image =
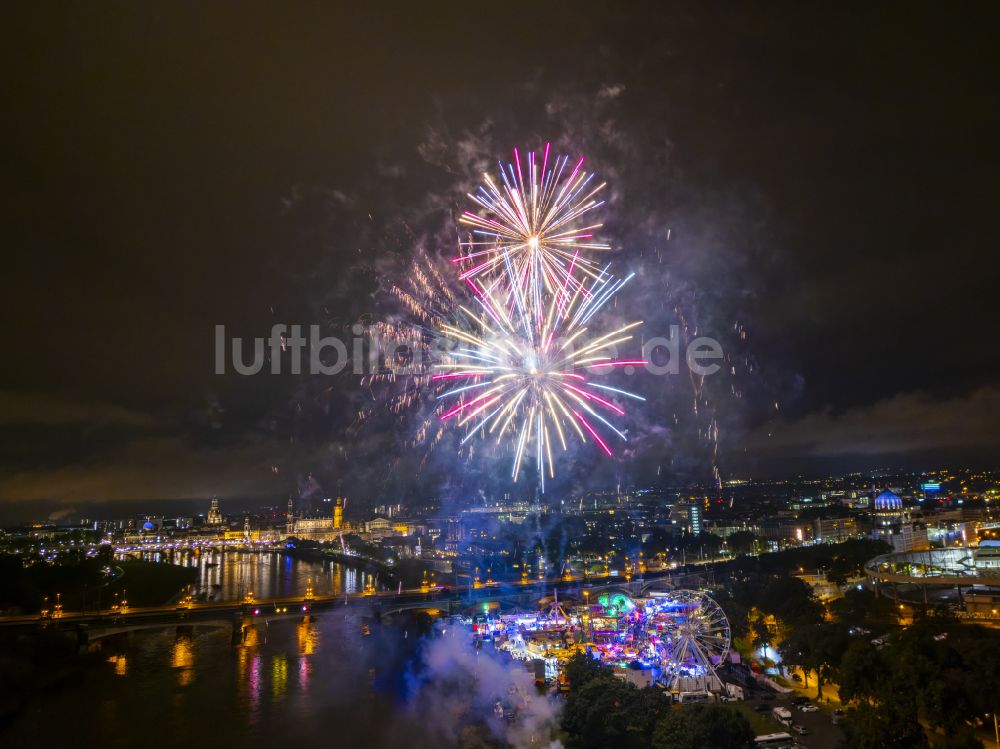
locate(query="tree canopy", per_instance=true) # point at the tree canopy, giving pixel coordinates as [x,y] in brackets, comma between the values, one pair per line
[698,726]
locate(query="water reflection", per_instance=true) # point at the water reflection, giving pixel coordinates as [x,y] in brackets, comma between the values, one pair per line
[229,576]
[182,659]
[279,676]
[308,636]
[294,680]
[120,663]
[254,681]
[305,671]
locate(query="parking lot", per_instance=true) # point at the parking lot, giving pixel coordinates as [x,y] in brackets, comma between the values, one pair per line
[822,733]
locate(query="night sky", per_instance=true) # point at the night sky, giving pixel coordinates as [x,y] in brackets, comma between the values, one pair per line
[828,179]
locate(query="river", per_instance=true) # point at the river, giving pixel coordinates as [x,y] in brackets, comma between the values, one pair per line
[231,575]
[337,678]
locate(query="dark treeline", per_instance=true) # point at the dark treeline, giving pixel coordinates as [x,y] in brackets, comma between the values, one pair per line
[603,711]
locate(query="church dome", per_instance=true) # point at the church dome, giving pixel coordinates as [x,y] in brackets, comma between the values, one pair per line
[888,501]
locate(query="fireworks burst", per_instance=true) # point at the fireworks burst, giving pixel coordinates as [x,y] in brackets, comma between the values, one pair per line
[515,361]
[529,244]
[505,382]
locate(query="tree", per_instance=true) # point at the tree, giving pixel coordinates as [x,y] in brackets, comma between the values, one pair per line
[602,710]
[791,600]
[644,712]
[798,649]
[859,607]
[659,541]
[787,598]
[700,726]
[980,650]
[816,647]
[581,668]
[862,671]
[701,545]
[884,727]
[938,665]
[736,612]
[959,741]
[741,542]
[607,711]
[829,644]
[761,633]
[935,672]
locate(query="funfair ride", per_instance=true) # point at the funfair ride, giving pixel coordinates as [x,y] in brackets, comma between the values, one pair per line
[691,635]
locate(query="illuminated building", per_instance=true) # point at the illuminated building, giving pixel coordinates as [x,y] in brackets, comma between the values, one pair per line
[695,518]
[245,534]
[834,529]
[323,528]
[378,527]
[691,512]
[214,514]
[910,537]
[888,507]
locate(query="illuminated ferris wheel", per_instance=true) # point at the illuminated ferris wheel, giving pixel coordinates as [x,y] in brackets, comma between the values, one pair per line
[695,637]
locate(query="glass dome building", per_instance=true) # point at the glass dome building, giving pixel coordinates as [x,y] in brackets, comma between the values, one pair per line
[888,501]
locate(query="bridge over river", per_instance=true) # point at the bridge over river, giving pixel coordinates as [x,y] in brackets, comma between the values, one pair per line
[240,615]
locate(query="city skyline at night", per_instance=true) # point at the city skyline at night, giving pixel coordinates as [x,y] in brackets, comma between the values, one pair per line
[506,376]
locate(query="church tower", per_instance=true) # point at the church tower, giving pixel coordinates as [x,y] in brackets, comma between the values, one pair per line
[214,513]
[338,514]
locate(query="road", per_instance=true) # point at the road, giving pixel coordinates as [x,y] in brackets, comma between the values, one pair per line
[822,733]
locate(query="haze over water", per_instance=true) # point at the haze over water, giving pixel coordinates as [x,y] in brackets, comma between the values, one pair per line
[290,680]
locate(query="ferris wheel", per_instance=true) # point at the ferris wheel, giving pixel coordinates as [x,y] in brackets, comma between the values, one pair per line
[695,635]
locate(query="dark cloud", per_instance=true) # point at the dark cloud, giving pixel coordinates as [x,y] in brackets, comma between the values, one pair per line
[826,177]
[908,422]
[155,467]
[53,410]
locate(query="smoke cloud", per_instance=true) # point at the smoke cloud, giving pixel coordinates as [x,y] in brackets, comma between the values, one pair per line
[470,698]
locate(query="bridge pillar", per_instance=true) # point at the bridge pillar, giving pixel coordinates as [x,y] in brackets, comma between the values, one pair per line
[82,638]
[240,627]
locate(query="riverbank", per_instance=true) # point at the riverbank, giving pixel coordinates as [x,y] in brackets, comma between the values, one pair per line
[90,585]
[385,573]
[44,661]
[149,583]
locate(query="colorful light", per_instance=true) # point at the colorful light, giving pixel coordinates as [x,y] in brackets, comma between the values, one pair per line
[522,347]
[530,232]
[511,380]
